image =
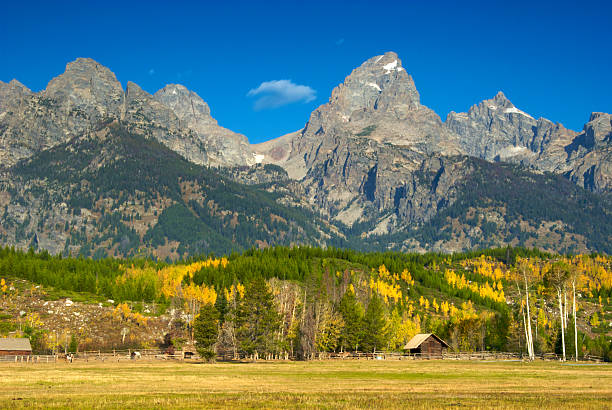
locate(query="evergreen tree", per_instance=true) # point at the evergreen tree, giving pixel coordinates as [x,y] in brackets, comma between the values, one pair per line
[352,314]
[222,306]
[374,326]
[206,330]
[257,319]
[74,344]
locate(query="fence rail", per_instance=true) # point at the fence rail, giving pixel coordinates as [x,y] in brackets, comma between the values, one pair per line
[156,354]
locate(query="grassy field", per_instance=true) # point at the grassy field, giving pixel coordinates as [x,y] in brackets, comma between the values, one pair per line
[325,384]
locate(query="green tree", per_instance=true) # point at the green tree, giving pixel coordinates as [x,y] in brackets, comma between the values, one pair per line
[257,319]
[352,314]
[74,344]
[206,330]
[374,326]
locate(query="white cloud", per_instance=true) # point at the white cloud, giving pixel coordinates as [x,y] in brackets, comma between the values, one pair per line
[276,93]
[151,71]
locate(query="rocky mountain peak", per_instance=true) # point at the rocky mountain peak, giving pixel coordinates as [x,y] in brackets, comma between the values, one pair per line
[143,110]
[10,92]
[87,91]
[134,91]
[495,129]
[224,147]
[500,105]
[187,105]
[590,154]
[378,103]
[87,80]
[599,128]
[500,100]
[379,84]
[15,85]
[592,117]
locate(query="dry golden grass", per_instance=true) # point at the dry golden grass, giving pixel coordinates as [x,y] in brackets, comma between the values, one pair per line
[320,384]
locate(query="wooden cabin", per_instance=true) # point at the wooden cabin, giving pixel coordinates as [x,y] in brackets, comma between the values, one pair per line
[426,344]
[15,347]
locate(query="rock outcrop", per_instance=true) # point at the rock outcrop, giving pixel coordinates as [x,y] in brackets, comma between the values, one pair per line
[72,104]
[377,101]
[376,157]
[359,155]
[591,154]
[224,147]
[495,130]
[88,93]
[11,92]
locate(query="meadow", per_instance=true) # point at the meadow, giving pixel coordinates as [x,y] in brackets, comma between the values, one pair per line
[319,384]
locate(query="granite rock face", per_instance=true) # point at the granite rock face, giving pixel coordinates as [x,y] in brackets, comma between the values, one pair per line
[375,156]
[88,93]
[73,103]
[590,154]
[11,92]
[377,101]
[495,130]
[359,157]
[224,147]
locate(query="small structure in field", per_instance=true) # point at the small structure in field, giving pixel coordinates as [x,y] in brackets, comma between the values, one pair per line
[189,352]
[15,347]
[426,344]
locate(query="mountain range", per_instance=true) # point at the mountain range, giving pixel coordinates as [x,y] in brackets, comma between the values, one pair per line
[91,168]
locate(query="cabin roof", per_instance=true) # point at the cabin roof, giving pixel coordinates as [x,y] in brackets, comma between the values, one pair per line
[417,340]
[15,344]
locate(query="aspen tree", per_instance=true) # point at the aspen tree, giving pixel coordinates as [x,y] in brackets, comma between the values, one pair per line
[557,276]
[574,273]
[524,268]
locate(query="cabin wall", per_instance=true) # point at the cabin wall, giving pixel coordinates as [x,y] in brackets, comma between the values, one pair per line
[431,347]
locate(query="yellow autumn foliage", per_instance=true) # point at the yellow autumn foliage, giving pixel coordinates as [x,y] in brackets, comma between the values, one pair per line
[485,290]
[123,312]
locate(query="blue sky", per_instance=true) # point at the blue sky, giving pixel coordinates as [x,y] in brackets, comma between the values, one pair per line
[551,59]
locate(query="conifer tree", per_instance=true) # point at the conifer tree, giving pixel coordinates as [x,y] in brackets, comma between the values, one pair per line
[374,326]
[257,320]
[206,330]
[352,314]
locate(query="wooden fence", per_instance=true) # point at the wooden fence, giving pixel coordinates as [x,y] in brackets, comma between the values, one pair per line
[156,354]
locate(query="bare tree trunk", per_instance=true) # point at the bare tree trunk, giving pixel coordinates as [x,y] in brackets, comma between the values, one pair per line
[525,330]
[562,322]
[565,316]
[530,338]
[518,288]
[575,326]
[536,326]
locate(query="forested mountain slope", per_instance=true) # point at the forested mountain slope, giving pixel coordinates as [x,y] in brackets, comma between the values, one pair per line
[116,192]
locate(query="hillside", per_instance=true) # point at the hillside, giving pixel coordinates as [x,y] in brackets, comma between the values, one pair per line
[319,300]
[496,204]
[118,193]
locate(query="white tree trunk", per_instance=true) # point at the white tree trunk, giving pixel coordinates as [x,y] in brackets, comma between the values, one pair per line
[565,316]
[575,325]
[526,334]
[529,334]
[518,288]
[562,322]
